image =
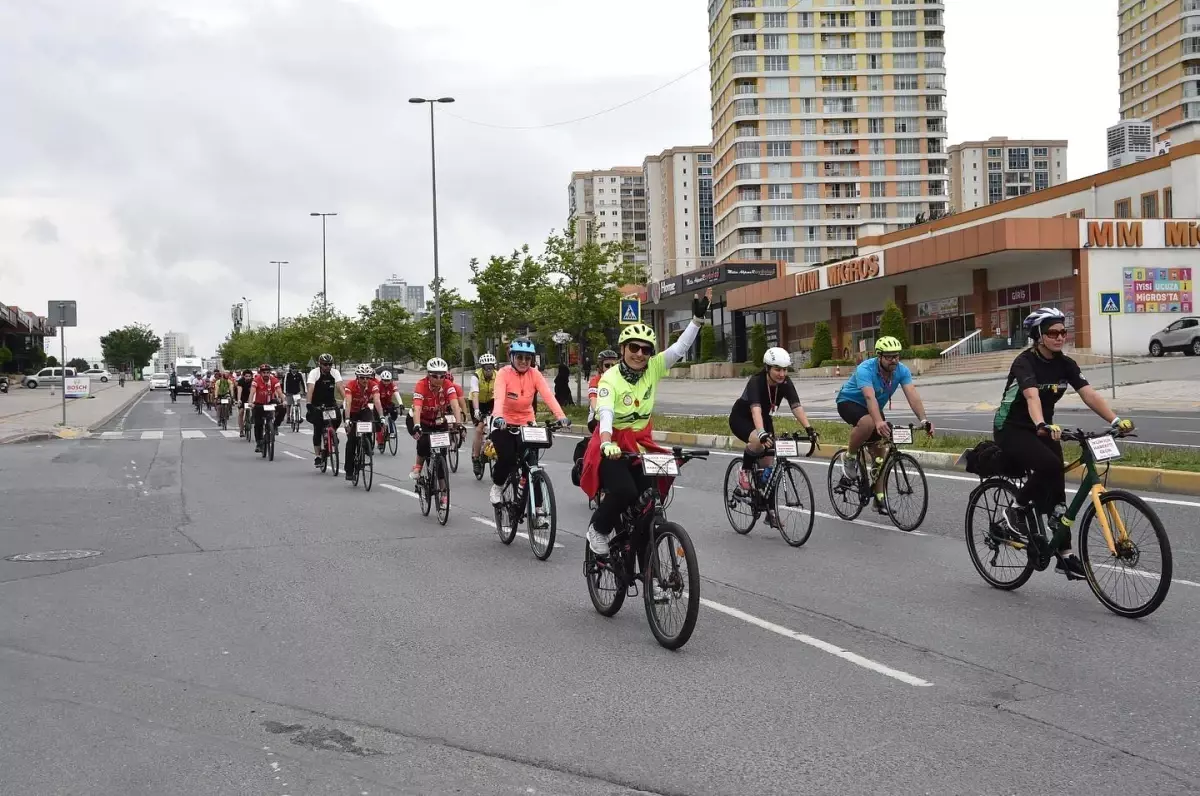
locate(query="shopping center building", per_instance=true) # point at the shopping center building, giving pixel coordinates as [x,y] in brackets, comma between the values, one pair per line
[1130,231]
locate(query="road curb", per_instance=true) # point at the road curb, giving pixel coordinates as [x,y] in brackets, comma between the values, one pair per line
[1182,482]
[73,432]
[137,395]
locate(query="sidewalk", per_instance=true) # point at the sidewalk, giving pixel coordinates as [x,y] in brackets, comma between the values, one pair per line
[28,415]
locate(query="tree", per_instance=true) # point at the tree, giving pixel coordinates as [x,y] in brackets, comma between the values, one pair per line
[708,344]
[758,343]
[387,331]
[80,364]
[822,345]
[52,361]
[892,324]
[427,337]
[6,355]
[507,289]
[131,345]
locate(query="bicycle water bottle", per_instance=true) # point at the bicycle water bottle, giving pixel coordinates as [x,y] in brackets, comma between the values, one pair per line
[765,475]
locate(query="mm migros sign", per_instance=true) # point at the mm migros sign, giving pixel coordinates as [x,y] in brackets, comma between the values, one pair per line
[1139,234]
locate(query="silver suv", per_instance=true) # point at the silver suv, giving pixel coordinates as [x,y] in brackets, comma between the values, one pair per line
[1182,335]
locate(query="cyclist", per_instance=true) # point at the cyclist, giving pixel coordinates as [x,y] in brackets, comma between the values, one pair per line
[361,403]
[1024,429]
[516,385]
[624,405]
[389,399]
[173,381]
[293,385]
[325,391]
[860,403]
[224,388]
[483,390]
[265,389]
[199,385]
[243,397]
[605,360]
[433,397]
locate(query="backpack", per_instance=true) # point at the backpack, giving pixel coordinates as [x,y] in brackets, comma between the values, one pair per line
[577,467]
[988,460]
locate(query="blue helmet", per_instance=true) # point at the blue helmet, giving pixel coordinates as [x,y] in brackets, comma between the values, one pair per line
[522,345]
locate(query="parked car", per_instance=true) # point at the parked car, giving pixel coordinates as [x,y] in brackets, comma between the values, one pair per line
[48,376]
[160,381]
[1182,335]
[97,373]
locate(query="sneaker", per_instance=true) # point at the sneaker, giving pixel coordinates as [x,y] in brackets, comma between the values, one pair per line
[597,541]
[444,501]
[743,480]
[496,494]
[850,467]
[542,520]
[881,508]
[1070,566]
[349,476]
[258,447]
[1013,524]
[317,462]
[658,594]
[414,473]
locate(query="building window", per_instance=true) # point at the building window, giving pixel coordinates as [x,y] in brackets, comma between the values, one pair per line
[1168,204]
[1041,180]
[906,82]
[1122,209]
[904,61]
[1018,159]
[1150,205]
[1078,214]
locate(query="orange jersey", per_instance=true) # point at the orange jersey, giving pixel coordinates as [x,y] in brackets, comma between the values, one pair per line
[514,393]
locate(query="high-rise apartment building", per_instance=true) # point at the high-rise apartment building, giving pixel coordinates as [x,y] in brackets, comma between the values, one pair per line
[827,114]
[610,205]
[397,289]
[984,172]
[679,208]
[1159,61]
[1129,141]
[414,300]
[174,345]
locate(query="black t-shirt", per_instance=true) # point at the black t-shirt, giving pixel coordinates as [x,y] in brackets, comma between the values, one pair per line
[769,397]
[243,387]
[1051,376]
[293,383]
[323,392]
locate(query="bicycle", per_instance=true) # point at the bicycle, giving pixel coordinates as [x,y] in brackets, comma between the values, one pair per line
[850,496]
[520,503]
[248,423]
[329,441]
[1116,550]
[487,453]
[268,439]
[295,418]
[391,440]
[643,528]
[199,401]
[457,435]
[435,473]
[785,476]
[223,414]
[364,459]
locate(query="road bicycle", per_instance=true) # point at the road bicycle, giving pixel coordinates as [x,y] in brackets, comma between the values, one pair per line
[457,435]
[248,423]
[364,456]
[268,438]
[200,400]
[669,572]
[329,441]
[905,495]
[223,414]
[528,495]
[487,454]
[295,417]
[434,479]
[391,437]
[1107,544]
[783,492]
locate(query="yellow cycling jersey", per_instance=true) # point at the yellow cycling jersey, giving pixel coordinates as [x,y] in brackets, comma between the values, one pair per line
[486,386]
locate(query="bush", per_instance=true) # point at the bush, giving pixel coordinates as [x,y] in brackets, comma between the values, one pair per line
[758,343]
[892,324]
[822,346]
[922,352]
[708,344]
[749,370]
[829,363]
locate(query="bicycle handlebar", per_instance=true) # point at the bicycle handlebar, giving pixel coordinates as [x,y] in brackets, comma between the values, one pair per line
[681,455]
[1083,435]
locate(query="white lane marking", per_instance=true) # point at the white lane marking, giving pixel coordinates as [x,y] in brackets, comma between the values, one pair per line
[398,489]
[491,524]
[227,434]
[112,435]
[210,417]
[824,646]
[1183,431]
[289,453]
[192,433]
[1170,502]
[868,523]
[124,417]
[152,435]
[1147,575]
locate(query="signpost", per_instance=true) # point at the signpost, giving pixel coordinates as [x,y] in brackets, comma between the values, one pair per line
[1110,305]
[464,321]
[631,310]
[62,314]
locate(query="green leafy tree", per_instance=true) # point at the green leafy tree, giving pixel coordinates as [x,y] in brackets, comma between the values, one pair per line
[386,331]
[6,355]
[822,345]
[892,323]
[79,363]
[708,344]
[451,300]
[130,346]
[758,343]
[506,289]
[52,361]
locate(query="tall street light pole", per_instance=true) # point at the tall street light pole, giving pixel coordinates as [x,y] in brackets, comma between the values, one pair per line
[324,283]
[247,313]
[437,280]
[279,264]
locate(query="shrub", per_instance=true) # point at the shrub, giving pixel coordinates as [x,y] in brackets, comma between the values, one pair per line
[749,370]
[758,343]
[708,344]
[922,352]
[892,324]
[822,346]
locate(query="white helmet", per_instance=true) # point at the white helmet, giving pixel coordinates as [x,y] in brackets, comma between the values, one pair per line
[1042,316]
[777,358]
[385,376]
[436,365]
[487,359]
[364,370]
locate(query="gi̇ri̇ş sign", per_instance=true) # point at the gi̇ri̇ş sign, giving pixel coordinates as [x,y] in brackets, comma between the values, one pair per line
[1157,290]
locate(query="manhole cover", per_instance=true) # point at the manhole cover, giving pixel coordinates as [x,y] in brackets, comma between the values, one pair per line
[54,555]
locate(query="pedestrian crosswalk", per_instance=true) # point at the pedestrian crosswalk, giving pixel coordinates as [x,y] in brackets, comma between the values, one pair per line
[185,433]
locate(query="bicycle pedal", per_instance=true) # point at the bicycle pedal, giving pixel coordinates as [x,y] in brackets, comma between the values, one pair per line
[632,590]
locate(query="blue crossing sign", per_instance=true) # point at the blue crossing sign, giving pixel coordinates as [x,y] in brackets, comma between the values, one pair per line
[631,310]
[1110,303]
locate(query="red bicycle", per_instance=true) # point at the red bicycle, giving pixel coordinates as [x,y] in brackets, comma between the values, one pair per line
[329,440]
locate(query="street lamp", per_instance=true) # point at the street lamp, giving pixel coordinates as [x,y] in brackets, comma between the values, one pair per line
[324,285]
[279,264]
[247,313]
[437,282]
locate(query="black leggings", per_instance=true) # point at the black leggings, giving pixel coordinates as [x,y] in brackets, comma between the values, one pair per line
[316,419]
[366,414]
[1046,485]
[280,413]
[622,484]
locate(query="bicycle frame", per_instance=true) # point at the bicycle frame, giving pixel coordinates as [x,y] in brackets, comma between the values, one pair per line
[1091,488]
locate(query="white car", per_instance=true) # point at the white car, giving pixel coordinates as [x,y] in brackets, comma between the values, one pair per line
[98,374]
[160,381]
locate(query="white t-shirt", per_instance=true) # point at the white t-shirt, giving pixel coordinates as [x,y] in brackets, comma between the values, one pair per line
[315,373]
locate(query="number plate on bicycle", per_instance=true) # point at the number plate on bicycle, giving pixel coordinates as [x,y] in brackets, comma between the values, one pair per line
[1104,448]
[534,435]
[204,392]
[659,464]
[450,420]
[440,439]
[268,407]
[224,400]
[364,427]
[330,414]
[901,436]
[785,447]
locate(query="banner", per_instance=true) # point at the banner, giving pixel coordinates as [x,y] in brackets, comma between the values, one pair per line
[77,386]
[1146,290]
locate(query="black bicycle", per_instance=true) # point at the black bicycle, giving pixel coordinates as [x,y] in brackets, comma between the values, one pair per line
[434,478]
[670,572]
[457,435]
[364,459]
[268,438]
[223,414]
[199,400]
[391,441]
[784,494]
[899,473]
[528,493]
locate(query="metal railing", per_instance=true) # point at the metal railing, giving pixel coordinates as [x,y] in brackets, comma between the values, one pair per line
[968,346]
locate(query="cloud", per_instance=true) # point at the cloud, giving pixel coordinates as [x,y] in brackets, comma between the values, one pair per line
[42,230]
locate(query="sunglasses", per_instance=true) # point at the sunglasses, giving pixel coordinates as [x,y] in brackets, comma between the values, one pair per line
[890,357]
[1056,334]
[639,348]
[605,366]
[437,375]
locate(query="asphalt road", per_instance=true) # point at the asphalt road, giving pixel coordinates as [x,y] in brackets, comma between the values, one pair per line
[254,627]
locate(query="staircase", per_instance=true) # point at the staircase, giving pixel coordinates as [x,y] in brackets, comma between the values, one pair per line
[974,354]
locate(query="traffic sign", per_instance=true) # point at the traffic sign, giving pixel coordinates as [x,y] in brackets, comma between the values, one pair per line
[631,310]
[1110,303]
[61,313]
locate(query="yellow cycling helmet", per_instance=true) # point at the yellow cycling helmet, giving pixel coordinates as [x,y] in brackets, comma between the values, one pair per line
[887,345]
[638,331]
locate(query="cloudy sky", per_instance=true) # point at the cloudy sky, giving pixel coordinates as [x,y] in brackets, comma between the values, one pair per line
[155,155]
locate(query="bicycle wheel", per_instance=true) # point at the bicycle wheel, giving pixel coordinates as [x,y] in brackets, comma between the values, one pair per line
[905,492]
[605,587]
[506,525]
[441,488]
[333,451]
[739,506]
[452,455]
[368,460]
[392,442]
[1136,555]
[846,498]
[248,427]
[794,504]
[324,460]
[999,560]
[541,540]
[424,490]
[672,564]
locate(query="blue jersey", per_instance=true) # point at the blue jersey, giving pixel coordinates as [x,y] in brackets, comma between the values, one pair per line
[867,375]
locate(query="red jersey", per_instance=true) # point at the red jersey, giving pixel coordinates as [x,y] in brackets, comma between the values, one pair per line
[434,405]
[264,389]
[387,389]
[594,384]
[360,395]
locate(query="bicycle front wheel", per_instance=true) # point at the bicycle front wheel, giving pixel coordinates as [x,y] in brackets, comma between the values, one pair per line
[1133,581]
[541,540]
[844,494]
[452,455]
[905,492]
[392,442]
[441,489]
[672,567]
[368,459]
[334,455]
[506,524]
[739,505]
[1001,560]
[794,504]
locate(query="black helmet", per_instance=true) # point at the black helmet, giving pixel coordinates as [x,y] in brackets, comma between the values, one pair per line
[607,353]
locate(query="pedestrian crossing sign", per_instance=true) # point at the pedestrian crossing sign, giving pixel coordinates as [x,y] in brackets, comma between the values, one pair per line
[1110,303]
[631,310]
